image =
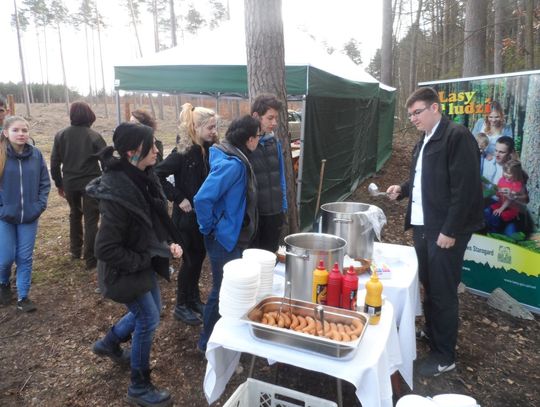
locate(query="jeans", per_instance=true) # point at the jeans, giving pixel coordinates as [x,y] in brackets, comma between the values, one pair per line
[141,321]
[17,247]
[219,256]
[81,205]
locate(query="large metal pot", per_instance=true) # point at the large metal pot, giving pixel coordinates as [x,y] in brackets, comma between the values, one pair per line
[350,221]
[302,254]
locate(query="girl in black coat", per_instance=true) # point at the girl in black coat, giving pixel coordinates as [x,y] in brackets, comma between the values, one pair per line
[189,166]
[132,248]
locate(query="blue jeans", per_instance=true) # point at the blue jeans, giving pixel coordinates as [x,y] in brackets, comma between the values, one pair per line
[141,321]
[218,256]
[17,247]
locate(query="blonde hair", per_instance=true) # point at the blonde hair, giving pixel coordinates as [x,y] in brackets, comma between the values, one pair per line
[4,139]
[192,118]
[482,138]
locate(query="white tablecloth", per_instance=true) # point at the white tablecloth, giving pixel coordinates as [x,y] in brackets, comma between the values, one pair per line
[402,290]
[378,356]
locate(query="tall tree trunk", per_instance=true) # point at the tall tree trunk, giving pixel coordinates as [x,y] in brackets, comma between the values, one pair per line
[66,91]
[21,59]
[88,65]
[386,48]
[531,146]
[415,29]
[445,38]
[134,22]
[43,91]
[498,6]
[46,66]
[474,45]
[529,34]
[155,19]
[173,23]
[264,44]
[98,24]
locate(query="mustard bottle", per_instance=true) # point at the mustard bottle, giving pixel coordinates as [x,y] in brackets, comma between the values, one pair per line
[373,303]
[320,284]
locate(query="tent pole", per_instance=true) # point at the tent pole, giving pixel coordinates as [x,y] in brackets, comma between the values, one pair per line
[118,113]
[301,158]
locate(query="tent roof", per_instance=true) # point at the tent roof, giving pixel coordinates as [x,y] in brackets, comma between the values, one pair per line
[215,61]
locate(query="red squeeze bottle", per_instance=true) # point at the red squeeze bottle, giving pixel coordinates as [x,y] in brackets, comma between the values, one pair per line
[350,288]
[335,280]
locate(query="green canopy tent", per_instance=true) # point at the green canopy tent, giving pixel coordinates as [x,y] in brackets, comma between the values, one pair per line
[347,117]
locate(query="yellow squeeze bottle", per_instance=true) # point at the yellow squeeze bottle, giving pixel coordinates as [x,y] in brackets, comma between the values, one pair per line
[320,284]
[373,303]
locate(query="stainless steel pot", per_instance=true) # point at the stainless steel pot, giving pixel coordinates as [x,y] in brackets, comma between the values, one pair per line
[349,220]
[302,254]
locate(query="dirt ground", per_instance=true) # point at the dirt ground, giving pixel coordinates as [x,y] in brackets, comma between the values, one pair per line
[45,357]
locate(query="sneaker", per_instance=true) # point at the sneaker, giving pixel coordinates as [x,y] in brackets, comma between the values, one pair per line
[186,315]
[197,307]
[25,305]
[432,366]
[5,294]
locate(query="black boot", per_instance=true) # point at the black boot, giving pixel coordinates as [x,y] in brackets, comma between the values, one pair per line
[109,346]
[141,391]
[186,315]
[197,307]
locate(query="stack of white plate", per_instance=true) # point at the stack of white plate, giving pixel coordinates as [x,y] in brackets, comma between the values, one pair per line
[239,287]
[267,261]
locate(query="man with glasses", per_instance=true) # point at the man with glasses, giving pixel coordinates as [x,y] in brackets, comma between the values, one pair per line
[444,208]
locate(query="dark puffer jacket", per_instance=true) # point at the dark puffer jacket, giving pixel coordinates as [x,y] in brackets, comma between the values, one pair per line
[126,241]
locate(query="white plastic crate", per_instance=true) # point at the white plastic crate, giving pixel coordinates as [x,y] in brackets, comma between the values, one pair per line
[254,393]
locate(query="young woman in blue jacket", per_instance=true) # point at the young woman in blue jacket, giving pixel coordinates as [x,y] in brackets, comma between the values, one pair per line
[226,208]
[24,188]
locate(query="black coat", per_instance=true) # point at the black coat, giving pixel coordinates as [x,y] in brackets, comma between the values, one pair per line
[451,189]
[126,241]
[189,168]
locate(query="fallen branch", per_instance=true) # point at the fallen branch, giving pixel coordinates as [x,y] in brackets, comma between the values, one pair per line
[25,383]
[10,336]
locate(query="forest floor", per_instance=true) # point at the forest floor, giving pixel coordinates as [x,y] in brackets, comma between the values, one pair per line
[46,358]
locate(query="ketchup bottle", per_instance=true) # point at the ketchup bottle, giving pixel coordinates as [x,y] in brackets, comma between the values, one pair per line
[335,281]
[350,288]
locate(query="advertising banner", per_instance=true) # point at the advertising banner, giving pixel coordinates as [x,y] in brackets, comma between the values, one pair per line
[492,107]
[491,263]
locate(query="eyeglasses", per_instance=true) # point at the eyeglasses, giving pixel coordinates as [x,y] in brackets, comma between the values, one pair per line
[416,112]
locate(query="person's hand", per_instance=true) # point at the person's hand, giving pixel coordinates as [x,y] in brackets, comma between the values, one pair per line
[61,193]
[498,211]
[445,242]
[393,192]
[185,205]
[176,250]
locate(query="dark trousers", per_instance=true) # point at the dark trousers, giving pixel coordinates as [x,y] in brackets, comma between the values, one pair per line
[439,271]
[81,205]
[268,232]
[188,278]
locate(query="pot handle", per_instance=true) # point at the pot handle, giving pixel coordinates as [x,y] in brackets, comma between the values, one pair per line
[302,256]
[342,220]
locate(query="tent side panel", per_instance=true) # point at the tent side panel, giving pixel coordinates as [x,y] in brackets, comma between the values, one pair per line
[387,105]
[344,132]
[324,84]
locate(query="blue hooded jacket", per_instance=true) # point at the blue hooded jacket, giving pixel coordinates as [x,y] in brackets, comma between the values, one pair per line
[220,203]
[24,186]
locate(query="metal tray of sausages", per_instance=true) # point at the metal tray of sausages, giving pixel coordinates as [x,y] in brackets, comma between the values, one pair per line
[299,340]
